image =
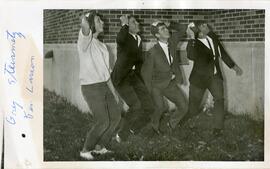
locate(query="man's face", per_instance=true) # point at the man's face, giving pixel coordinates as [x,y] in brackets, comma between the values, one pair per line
[133,25]
[204,28]
[163,32]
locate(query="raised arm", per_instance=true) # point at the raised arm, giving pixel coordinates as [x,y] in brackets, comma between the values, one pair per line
[122,34]
[178,31]
[191,46]
[85,35]
[191,50]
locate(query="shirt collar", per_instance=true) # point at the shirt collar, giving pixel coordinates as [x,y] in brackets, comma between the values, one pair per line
[134,35]
[162,44]
[207,37]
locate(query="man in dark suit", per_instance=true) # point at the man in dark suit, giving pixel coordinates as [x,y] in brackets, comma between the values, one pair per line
[162,75]
[205,50]
[126,76]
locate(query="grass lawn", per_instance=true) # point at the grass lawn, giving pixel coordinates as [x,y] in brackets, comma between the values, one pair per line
[65,128]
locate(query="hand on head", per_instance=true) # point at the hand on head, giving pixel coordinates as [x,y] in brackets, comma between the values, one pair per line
[84,22]
[124,19]
[156,22]
[190,33]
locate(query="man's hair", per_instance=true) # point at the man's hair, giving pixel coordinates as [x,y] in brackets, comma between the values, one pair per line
[199,22]
[131,16]
[155,28]
[91,20]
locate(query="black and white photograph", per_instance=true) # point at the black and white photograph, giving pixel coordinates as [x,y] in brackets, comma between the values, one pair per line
[155,84]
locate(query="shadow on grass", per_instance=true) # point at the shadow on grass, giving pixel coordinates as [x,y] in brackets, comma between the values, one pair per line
[65,128]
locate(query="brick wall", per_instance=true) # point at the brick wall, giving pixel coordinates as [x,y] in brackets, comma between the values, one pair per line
[238,25]
[62,26]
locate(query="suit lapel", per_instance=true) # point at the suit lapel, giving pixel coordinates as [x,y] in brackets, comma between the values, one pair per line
[134,40]
[215,43]
[202,45]
[162,53]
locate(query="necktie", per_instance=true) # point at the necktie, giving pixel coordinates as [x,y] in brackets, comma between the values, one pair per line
[215,61]
[170,59]
[210,46]
[137,39]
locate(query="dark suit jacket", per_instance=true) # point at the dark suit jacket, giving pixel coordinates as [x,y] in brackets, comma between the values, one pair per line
[156,71]
[203,68]
[129,54]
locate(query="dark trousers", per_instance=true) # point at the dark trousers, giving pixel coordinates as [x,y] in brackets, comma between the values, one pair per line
[135,94]
[216,88]
[175,95]
[106,114]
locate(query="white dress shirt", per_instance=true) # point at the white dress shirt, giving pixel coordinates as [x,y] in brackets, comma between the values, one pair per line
[139,38]
[164,46]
